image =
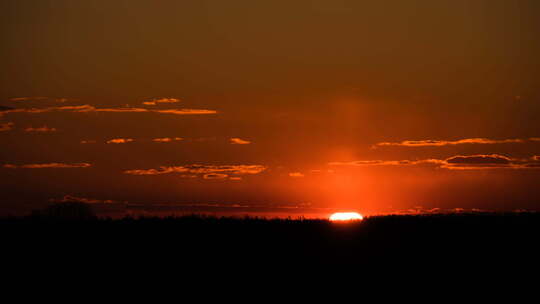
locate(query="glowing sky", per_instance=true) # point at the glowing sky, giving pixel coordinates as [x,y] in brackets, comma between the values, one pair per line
[376,106]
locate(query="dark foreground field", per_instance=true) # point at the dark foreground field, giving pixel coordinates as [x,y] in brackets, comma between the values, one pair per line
[509,239]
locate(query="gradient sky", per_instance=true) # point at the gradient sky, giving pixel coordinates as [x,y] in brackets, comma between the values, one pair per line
[376,106]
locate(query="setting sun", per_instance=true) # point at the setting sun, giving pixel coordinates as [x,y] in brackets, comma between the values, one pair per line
[346,216]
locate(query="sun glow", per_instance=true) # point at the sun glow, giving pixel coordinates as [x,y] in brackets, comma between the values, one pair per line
[346,216]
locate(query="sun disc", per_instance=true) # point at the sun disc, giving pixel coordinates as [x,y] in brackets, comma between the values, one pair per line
[346,216]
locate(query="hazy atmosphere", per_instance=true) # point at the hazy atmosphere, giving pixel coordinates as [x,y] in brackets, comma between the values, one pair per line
[270,107]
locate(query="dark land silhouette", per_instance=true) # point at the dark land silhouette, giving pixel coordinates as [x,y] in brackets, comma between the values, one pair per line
[70,230]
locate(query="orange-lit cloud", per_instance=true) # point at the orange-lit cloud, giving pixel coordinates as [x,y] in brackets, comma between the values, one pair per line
[239,141]
[88,141]
[388,162]
[185,111]
[166,139]
[479,159]
[154,102]
[81,108]
[6,126]
[423,210]
[70,198]
[439,143]
[215,176]
[206,171]
[121,110]
[119,140]
[458,162]
[88,108]
[232,169]
[48,165]
[43,129]
[296,174]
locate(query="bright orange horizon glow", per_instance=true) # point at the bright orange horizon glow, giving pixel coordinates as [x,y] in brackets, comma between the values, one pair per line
[346,216]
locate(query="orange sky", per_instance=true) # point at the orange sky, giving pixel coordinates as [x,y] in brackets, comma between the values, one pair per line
[374,106]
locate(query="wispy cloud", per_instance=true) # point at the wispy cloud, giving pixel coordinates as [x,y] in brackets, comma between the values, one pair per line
[387,162]
[206,171]
[120,110]
[80,109]
[128,140]
[458,162]
[6,126]
[48,165]
[166,139]
[479,159]
[296,174]
[491,161]
[154,102]
[70,198]
[215,176]
[43,129]
[422,210]
[88,108]
[119,140]
[185,111]
[239,141]
[439,143]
